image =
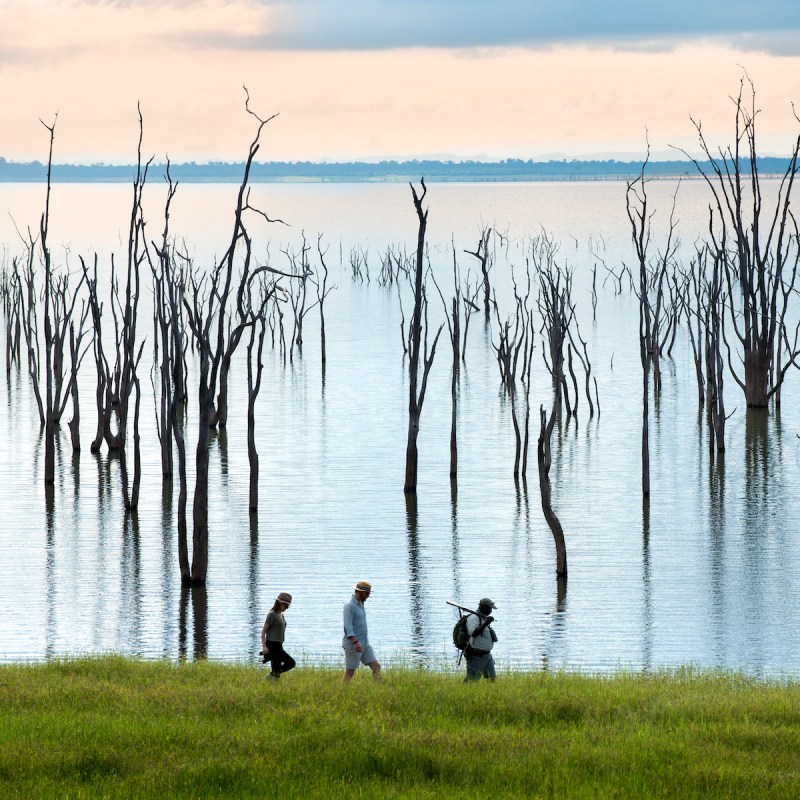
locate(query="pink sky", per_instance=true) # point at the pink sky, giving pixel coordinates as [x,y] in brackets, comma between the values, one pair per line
[186,62]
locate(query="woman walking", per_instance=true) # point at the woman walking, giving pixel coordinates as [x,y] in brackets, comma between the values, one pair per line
[273,635]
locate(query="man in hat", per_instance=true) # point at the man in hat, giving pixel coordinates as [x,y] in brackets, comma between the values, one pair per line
[357,649]
[480,662]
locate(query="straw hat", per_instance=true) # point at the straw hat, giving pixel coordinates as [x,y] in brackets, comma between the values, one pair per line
[363,586]
[284,597]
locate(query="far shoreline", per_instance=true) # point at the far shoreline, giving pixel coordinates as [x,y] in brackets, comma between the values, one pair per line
[508,171]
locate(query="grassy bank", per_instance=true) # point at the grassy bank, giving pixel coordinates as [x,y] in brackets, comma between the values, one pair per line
[113,727]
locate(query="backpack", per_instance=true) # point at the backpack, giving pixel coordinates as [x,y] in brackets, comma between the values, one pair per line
[460,633]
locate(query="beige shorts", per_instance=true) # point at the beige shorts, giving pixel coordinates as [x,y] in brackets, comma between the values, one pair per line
[353,660]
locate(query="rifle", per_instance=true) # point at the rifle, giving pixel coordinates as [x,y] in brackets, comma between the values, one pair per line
[464,608]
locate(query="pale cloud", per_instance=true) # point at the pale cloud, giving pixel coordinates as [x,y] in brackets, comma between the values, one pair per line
[771,26]
[624,24]
[48,30]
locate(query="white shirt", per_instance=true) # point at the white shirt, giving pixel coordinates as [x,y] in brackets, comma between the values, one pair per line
[482,641]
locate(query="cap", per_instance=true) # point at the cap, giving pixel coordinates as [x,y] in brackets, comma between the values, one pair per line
[486,603]
[284,597]
[363,586]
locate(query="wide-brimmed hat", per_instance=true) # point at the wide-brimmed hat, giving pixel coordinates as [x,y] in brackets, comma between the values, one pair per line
[363,586]
[486,603]
[284,597]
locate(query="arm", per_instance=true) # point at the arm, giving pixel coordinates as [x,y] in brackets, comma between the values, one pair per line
[264,634]
[348,621]
[348,628]
[477,625]
[485,624]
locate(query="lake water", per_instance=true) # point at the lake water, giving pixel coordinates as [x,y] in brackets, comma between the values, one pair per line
[707,575]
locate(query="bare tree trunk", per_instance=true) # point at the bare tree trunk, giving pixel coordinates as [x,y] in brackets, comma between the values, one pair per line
[49,433]
[322,292]
[163,321]
[254,387]
[59,306]
[453,317]
[75,362]
[417,398]
[252,392]
[652,310]
[544,460]
[174,287]
[202,312]
[200,505]
[645,430]
[482,254]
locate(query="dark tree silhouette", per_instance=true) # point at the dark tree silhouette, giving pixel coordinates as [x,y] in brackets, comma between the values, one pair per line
[759,250]
[418,346]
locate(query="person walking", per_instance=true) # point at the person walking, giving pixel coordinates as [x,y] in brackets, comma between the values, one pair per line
[357,649]
[478,652]
[273,635]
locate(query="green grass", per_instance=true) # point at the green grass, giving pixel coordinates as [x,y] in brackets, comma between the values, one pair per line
[114,727]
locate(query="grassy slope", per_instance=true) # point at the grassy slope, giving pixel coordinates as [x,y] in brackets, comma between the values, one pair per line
[112,727]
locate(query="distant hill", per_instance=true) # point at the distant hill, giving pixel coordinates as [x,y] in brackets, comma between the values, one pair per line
[511,169]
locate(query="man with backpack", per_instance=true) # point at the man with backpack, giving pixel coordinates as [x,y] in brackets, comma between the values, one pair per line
[478,652]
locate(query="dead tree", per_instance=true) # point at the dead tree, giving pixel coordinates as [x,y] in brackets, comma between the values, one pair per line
[418,346]
[692,304]
[393,264]
[453,318]
[117,385]
[481,252]
[554,301]
[359,263]
[76,356]
[515,339]
[129,353]
[320,281]
[761,262]
[652,306]
[259,313]
[208,316]
[102,370]
[298,294]
[11,296]
[583,356]
[713,309]
[231,334]
[174,282]
[470,297]
[544,458]
[164,342]
[58,313]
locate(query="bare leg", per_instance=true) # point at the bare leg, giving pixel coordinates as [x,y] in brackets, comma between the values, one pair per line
[348,674]
[375,666]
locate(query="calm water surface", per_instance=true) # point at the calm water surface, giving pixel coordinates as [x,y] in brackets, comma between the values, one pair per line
[707,575]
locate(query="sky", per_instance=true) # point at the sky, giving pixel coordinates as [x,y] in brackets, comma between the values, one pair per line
[374,79]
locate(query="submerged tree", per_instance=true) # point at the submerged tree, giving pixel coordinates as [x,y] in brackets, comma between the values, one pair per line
[545,459]
[418,346]
[656,309]
[481,252]
[453,318]
[59,302]
[209,318]
[759,249]
[515,339]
